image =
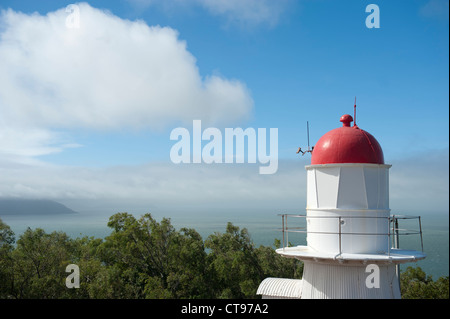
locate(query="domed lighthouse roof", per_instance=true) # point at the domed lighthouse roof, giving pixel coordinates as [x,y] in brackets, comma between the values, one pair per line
[347,144]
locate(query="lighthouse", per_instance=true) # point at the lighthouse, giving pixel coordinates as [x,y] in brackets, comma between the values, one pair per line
[349,226]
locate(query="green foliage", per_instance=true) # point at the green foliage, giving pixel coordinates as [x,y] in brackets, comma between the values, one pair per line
[38,264]
[234,264]
[415,284]
[143,258]
[238,267]
[6,263]
[276,266]
[153,260]
[6,236]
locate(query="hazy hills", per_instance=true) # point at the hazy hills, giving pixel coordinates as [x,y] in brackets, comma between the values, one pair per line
[33,207]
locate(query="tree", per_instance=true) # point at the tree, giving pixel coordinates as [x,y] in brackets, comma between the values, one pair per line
[7,240]
[234,263]
[415,284]
[94,276]
[274,265]
[39,263]
[143,258]
[153,260]
[132,254]
[188,271]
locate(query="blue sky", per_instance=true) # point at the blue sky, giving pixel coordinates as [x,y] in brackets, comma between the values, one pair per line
[260,64]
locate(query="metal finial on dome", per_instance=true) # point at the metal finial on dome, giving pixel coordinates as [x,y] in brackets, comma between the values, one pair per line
[346,119]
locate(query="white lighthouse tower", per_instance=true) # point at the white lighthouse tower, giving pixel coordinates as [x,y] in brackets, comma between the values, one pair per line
[348,252]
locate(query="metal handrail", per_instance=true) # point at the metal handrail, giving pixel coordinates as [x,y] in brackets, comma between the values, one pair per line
[394,231]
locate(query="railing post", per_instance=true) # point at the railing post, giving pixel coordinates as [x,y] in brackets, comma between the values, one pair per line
[340,242]
[397,236]
[393,231]
[287,232]
[420,230]
[397,246]
[389,237]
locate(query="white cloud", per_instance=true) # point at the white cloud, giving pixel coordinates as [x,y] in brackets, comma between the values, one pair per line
[21,145]
[108,74]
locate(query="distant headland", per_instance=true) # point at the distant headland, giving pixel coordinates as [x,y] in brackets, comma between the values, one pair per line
[13,206]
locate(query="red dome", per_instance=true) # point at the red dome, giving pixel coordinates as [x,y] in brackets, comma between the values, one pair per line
[347,144]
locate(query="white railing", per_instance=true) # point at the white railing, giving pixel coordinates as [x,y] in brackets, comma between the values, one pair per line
[393,234]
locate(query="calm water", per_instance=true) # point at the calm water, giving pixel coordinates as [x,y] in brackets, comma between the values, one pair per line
[263,229]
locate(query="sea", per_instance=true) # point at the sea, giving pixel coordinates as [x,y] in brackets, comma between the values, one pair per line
[263,227]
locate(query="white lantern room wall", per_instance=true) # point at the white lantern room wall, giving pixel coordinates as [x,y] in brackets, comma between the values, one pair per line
[348,208]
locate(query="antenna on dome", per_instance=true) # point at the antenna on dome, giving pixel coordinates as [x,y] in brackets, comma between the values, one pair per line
[354,113]
[309,150]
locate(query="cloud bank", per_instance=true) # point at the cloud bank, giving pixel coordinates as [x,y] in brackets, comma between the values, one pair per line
[420,184]
[105,73]
[417,185]
[163,185]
